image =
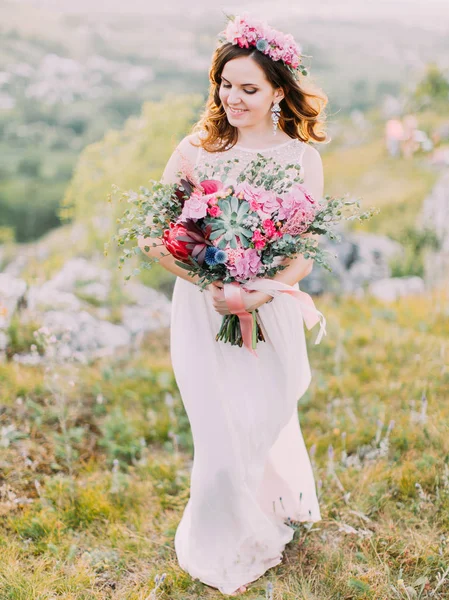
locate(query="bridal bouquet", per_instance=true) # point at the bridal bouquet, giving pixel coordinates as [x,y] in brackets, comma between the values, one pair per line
[239,232]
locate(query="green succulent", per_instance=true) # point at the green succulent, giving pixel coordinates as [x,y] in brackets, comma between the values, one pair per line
[230,223]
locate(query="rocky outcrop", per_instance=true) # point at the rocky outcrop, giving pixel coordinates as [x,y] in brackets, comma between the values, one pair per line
[356,261]
[73,306]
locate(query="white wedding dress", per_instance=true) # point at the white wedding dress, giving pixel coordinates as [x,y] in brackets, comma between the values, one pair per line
[251,468]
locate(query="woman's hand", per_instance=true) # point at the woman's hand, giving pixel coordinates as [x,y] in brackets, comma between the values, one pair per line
[252,299]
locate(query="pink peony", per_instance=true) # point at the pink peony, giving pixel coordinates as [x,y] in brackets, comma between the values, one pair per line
[246,266]
[195,207]
[250,193]
[269,203]
[297,198]
[305,191]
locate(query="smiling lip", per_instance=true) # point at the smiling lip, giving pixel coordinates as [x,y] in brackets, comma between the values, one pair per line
[239,112]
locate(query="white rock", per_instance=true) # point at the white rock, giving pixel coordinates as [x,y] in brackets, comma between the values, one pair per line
[12,291]
[85,333]
[47,297]
[96,290]
[141,319]
[77,272]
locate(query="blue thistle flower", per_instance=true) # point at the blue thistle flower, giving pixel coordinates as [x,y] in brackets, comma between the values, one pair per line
[262,45]
[210,259]
[221,257]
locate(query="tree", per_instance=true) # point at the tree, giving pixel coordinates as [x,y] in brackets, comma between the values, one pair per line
[434,86]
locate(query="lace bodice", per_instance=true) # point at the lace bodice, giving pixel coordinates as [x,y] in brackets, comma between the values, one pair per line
[288,152]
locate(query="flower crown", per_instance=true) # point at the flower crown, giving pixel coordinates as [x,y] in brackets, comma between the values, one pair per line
[246,32]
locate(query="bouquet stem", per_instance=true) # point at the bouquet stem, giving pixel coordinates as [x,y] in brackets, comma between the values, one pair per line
[230,331]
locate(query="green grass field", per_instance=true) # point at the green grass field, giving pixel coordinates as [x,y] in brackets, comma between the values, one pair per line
[96,474]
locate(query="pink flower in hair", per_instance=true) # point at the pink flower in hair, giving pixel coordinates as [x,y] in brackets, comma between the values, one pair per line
[276,53]
[246,32]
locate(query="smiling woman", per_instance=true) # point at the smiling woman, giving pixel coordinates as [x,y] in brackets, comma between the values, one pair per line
[244,85]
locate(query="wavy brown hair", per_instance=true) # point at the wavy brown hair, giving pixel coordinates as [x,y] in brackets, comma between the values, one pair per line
[302,108]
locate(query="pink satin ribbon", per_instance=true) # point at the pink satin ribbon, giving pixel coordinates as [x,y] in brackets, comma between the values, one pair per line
[233,293]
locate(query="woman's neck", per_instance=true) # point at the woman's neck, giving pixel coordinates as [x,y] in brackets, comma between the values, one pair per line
[262,141]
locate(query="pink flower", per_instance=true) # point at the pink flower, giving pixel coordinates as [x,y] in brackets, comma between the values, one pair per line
[214,211]
[300,221]
[233,255]
[210,186]
[298,197]
[305,191]
[275,53]
[295,62]
[243,42]
[250,193]
[235,29]
[258,240]
[247,266]
[254,205]
[269,228]
[269,204]
[195,207]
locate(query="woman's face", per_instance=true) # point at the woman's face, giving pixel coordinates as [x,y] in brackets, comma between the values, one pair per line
[245,88]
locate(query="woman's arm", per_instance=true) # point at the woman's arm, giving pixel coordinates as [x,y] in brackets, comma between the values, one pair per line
[184,151]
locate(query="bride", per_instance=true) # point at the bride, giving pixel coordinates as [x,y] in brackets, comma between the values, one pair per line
[251,473]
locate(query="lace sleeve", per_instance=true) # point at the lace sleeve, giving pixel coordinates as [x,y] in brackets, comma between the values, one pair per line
[179,165]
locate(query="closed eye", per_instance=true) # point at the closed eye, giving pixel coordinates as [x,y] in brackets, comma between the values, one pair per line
[246,91]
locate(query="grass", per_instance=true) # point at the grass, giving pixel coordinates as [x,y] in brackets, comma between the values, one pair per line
[396,186]
[96,475]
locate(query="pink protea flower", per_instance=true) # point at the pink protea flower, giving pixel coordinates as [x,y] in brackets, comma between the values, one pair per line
[246,266]
[301,188]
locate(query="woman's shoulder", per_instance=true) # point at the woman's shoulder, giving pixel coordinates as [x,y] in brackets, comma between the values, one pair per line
[311,156]
[189,146]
